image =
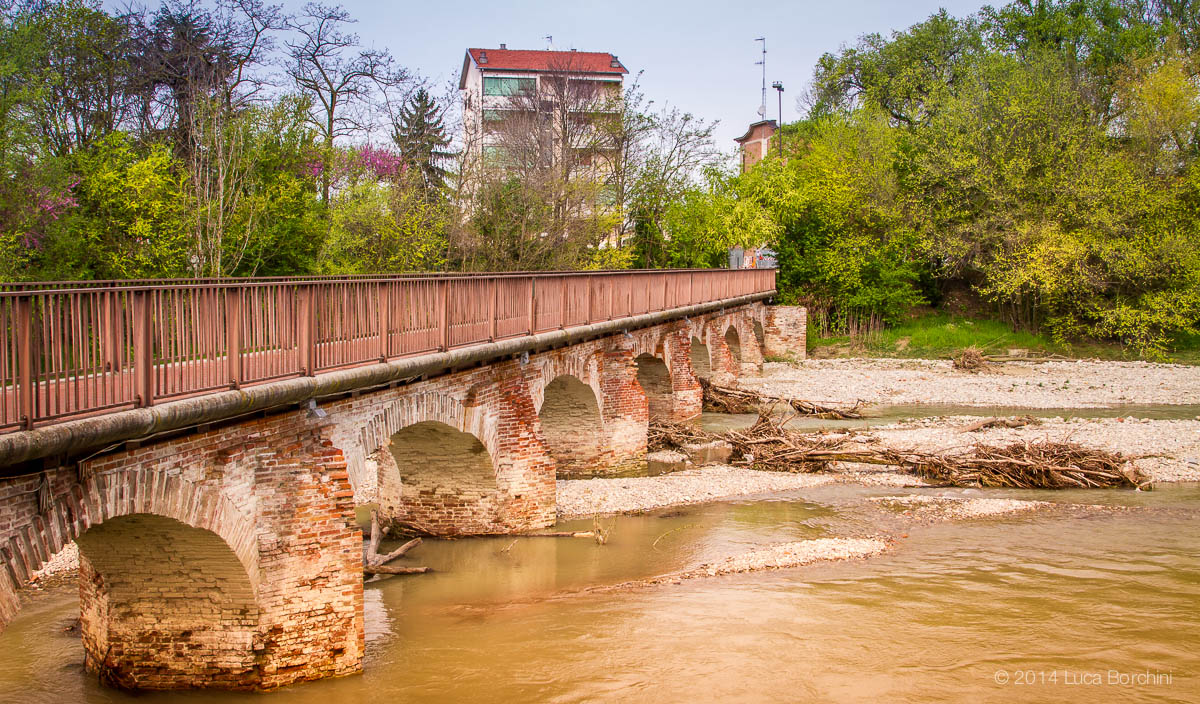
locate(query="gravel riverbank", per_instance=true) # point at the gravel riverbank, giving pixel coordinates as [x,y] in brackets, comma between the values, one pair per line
[1066,384]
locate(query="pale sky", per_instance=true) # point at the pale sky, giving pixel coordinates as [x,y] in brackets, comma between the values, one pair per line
[697,55]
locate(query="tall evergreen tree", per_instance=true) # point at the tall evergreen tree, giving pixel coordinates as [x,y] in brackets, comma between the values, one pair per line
[421,139]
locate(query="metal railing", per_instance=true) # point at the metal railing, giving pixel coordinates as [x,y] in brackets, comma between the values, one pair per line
[75,350]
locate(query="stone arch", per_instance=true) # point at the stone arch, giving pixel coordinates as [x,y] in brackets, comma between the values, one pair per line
[760,335]
[158,595]
[701,358]
[367,467]
[572,425]
[445,481]
[734,343]
[586,368]
[655,379]
[168,573]
[110,495]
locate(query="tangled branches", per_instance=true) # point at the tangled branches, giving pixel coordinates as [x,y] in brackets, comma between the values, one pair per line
[768,445]
[723,399]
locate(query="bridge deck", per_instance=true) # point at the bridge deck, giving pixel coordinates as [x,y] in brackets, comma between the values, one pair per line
[74,351]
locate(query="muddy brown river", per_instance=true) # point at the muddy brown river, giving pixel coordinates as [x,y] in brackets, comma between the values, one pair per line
[1049,606]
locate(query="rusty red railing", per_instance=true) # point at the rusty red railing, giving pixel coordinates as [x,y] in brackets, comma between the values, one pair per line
[75,350]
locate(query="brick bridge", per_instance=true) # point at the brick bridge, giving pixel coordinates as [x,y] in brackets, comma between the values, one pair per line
[205,443]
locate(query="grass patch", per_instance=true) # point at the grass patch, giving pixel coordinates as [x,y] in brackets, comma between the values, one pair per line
[940,335]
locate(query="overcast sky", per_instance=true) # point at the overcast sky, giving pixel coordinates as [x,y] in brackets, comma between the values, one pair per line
[698,55]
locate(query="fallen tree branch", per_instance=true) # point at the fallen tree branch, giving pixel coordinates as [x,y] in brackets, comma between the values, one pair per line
[1018,422]
[391,569]
[378,559]
[725,399]
[562,534]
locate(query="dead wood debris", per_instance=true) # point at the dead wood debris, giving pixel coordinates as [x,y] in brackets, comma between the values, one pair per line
[376,563]
[972,360]
[1018,422]
[768,445]
[724,399]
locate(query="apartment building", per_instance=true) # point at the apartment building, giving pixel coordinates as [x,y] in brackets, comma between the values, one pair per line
[512,97]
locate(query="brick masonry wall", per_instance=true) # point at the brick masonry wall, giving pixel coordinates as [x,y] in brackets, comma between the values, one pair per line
[785,332]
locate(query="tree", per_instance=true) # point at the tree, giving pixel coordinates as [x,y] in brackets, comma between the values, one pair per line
[906,75]
[421,138]
[327,64]
[132,216]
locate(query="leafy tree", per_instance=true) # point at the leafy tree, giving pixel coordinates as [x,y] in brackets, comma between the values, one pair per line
[906,75]
[132,215]
[421,138]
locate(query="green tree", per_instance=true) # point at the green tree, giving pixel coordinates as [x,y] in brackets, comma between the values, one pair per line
[906,75]
[421,138]
[132,215]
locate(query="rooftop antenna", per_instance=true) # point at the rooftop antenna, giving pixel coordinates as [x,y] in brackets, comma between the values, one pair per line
[549,42]
[762,103]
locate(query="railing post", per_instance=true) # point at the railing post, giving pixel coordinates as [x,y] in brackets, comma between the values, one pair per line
[564,283]
[612,296]
[588,318]
[233,335]
[532,303]
[306,319]
[492,309]
[445,315]
[25,409]
[143,349]
[383,300]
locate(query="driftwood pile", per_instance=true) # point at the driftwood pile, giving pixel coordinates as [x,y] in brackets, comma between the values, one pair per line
[972,360]
[1018,422]
[724,399]
[768,445]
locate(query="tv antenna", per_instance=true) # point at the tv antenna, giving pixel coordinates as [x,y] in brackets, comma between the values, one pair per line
[762,103]
[549,42]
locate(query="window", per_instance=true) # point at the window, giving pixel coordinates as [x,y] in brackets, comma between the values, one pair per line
[508,86]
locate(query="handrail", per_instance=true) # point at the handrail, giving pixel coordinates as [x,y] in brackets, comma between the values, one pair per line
[25,286]
[71,352]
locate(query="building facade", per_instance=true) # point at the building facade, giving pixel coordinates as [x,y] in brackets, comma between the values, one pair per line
[511,97]
[754,144]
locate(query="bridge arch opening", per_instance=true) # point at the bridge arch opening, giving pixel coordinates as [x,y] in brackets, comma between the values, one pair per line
[572,426]
[701,364]
[164,605]
[734,343]
[655,378]
[447,482]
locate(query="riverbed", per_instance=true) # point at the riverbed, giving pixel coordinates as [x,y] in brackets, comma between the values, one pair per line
[973,595]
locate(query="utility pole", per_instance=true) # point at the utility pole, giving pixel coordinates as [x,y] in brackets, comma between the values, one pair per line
[778,86]
[762,105]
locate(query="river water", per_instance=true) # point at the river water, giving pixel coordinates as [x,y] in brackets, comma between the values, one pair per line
[1060,607]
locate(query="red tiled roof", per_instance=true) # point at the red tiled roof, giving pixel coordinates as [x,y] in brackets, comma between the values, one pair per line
[533,60]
